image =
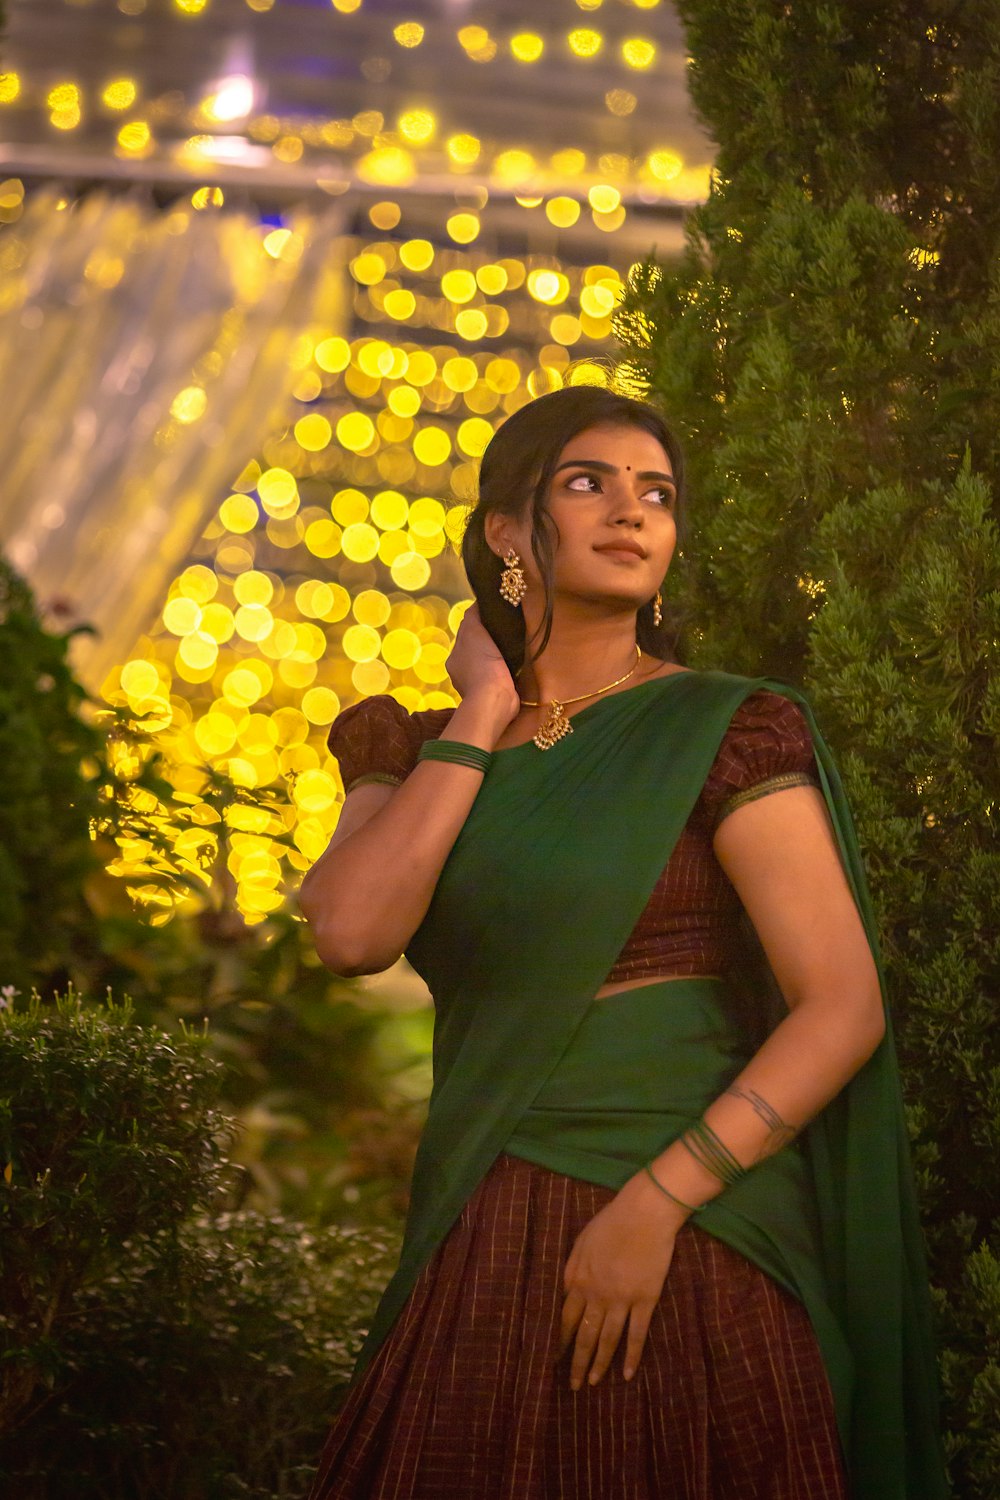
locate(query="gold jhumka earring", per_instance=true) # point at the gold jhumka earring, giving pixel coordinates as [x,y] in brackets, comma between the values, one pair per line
[657,610]
[512,583]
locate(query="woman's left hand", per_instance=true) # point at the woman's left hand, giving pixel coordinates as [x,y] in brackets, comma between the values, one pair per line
[614,1276]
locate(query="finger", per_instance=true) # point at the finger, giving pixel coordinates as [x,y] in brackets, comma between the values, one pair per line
[611,1332]
[572,1312]
[587,1336]
[638,1327]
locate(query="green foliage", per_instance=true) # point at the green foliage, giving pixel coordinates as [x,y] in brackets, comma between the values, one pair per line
[155,1342]
[827,347]
[46,803]
[107,1131]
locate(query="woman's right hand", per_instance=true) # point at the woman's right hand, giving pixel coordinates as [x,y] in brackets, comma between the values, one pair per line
[476,664]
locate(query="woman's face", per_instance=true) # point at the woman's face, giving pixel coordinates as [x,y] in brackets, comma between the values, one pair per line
[612,499]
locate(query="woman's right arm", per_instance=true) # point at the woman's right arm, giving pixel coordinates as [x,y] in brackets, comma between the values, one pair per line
[369,891]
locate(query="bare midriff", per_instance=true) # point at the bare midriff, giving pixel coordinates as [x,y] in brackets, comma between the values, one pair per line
[634,984]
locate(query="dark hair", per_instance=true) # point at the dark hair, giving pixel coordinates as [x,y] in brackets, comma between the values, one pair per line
[514,476]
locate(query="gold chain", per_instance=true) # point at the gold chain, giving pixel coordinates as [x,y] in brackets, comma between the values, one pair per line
[557,724]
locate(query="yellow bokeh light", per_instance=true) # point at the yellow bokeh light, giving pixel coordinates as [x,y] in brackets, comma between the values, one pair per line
[320,705]
[408,33]
[253,588]
[355,431]
[361,643]
[426,516]
[314,791]
[565,329]
[242,687]
[550,287]
[463,227]
[477,43]
[198,651]
[463,149]
[421,367]
[198,582]
[492,279]
[10,87]
[473,436]
[388,166]
[313,432]
[458,286]
[416,255]
[370,677]
[389,510]
[278,491]
[503,375]
[472,324]
[217,621]
[609,222]
[620,102]
[360,542]
[664,165]
[514,167]
[348,506]
[638,52]
[371,607]
[323,538]
[368,268]
[597,301]
[603,198]
[333,355]
[385,215]
[587,373]
[432,446]
[120,93]
[313,598]
[585,42]
[417,126]
[459,373]
[404,401]
[63,96]
[189,404]
[400,649]
[410,571]
[400,304]
[139,678]
[254,622]
[134,138]
[181,616]
[527,46]
[562,212]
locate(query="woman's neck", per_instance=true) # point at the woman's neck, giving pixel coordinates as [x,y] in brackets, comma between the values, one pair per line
[581,656]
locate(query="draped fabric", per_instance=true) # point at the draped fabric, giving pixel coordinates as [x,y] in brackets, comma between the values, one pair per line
[542,887]
[142,353]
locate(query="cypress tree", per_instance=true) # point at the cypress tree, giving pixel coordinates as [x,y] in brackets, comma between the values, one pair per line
[827,348]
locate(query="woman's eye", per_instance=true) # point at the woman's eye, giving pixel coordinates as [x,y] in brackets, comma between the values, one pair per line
[661,495]
[579,480]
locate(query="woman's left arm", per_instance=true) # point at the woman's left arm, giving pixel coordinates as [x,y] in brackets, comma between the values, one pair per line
[780,854]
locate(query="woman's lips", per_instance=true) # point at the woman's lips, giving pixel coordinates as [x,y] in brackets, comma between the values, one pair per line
[620,553]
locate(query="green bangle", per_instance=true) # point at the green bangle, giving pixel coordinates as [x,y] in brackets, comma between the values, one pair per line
[712,1154]
[457,753]
[688,1207]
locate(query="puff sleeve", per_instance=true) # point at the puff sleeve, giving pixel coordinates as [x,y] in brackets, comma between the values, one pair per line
[374,740]
[766,748]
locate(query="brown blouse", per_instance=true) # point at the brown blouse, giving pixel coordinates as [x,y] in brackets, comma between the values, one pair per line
[688,924]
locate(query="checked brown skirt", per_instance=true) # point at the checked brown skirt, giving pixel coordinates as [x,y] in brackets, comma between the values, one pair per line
[467,1399]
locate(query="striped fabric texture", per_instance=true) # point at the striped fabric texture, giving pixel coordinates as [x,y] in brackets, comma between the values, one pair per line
[468,1400]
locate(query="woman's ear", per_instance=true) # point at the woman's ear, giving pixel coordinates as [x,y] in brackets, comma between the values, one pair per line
[493,530]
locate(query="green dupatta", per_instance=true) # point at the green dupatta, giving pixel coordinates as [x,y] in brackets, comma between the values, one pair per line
[543,886]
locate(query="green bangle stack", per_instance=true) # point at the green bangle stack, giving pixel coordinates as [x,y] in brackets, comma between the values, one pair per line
[456,753]
[710,1153]
[690,1207]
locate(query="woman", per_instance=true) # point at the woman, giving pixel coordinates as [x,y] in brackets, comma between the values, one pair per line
[660,1243]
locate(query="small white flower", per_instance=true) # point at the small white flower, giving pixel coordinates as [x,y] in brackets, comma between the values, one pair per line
[8,994]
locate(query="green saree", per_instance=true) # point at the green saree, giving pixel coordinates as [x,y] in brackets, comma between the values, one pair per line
[543,886]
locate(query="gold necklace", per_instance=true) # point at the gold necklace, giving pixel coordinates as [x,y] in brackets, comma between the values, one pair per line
[557,724]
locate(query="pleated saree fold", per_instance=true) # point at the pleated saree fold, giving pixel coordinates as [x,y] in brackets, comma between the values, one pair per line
[544,884]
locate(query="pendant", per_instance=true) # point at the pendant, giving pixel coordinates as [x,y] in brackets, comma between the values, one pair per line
[555,727]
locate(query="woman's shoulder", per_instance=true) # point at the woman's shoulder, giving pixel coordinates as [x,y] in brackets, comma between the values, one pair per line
[378,738]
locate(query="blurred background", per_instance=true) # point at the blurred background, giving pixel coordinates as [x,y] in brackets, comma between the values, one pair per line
[271,273]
